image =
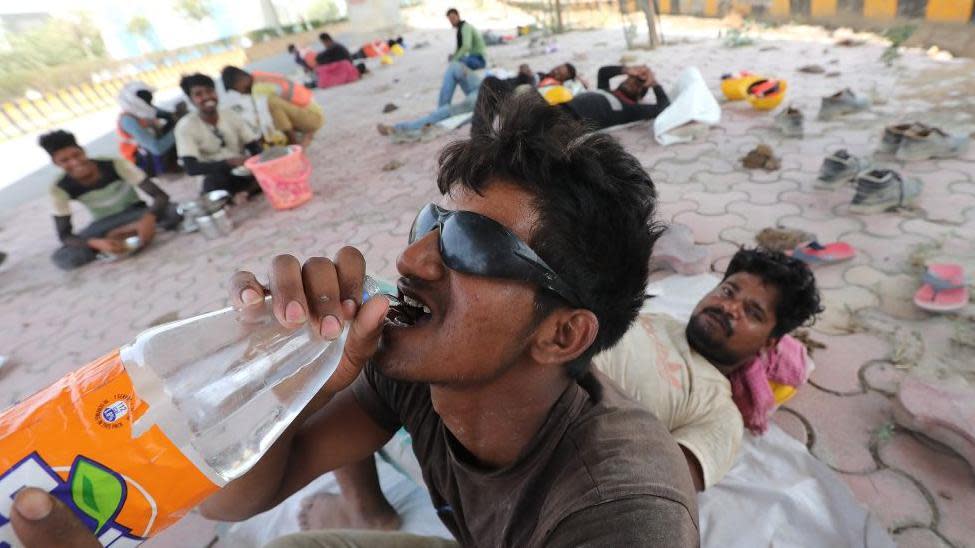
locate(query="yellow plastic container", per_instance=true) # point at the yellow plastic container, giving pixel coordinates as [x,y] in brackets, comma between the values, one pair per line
[766,100]
[735,86]
[397,50]
[556,95]
[386,60]
[781,392]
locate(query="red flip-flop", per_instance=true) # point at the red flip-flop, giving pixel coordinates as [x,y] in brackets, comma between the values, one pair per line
[944,288]
[814,253]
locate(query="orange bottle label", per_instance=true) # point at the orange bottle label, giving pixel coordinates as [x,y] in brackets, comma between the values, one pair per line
[74,439]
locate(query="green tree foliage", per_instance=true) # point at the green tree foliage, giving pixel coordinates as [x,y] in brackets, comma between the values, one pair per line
[57,42]
[139,26]
[194,10]
[323,10]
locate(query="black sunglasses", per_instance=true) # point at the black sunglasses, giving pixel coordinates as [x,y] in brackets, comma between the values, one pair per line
[474,244]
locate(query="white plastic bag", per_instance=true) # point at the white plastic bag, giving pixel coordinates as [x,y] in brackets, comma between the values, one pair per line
[692,108]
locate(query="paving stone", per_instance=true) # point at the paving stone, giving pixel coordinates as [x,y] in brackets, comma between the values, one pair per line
[949,481]
[896,500]
[838,365]
[714,203]
[919,538]
[758,217]
[788,420]
[843,445]
[882,376]
[708,227]
[835,319]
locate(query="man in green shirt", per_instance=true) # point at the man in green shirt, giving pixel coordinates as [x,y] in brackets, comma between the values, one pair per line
[107,188]
[463,62]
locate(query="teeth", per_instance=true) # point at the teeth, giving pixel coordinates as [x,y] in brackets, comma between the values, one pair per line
[412,302]
[426,309]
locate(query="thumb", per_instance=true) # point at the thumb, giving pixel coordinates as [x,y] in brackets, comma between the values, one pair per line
[42,521]
[361,344]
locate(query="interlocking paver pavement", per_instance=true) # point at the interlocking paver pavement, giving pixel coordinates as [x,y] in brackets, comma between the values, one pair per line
[53,322]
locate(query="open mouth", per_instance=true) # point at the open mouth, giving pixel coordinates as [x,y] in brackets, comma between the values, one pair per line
[407,311]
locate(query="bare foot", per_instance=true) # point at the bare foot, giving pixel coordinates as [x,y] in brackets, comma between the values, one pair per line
[328,511]
[384,129]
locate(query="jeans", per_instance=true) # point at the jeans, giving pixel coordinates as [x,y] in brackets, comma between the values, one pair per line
[69,257]
[441,113]
[457,74]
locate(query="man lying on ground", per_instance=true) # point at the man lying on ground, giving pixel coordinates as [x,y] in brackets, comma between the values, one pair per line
[598,109]
[270,113]
[471,83]
[212,141]
[508,289]
[107,188]
[303,56]
[678,372]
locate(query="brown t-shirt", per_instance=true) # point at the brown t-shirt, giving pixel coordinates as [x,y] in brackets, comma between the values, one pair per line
[598,473]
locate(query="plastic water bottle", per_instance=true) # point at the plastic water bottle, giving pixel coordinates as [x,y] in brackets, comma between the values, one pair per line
[133,440]
[224,385]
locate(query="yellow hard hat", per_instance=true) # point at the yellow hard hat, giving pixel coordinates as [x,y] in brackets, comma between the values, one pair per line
[556,95]
[397,50]
[386,60]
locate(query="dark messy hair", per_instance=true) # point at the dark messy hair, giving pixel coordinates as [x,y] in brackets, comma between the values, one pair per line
[291,48]
[57,140]
[594,200]
[798,302]
[453,11]
[190,81]
[325,36]
[572,71]
[230,74]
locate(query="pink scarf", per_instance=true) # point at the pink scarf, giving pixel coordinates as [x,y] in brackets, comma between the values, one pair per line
[784,364]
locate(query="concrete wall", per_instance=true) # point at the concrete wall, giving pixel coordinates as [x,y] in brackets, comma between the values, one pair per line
[935,11]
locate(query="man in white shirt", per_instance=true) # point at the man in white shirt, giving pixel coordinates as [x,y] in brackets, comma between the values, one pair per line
[213,142]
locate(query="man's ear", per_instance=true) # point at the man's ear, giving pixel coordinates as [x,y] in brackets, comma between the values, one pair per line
[564,336]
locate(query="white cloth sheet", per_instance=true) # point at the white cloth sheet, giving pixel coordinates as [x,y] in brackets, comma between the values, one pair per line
[692,107]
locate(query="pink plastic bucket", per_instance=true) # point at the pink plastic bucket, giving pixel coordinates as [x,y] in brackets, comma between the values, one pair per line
[285,179]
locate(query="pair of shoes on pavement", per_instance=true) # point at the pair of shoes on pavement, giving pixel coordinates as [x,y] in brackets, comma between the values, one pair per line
[838,169]
[842,103]
[916,141]
[789,122]
[877,189]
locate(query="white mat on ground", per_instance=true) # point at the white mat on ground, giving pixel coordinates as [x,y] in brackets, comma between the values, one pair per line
[775,495]
[692,108]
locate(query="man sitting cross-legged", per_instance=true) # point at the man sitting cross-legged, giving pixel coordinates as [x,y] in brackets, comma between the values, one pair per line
[107,188]
[678,372]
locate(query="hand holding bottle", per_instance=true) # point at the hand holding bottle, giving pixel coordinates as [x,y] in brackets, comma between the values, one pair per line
[326,293]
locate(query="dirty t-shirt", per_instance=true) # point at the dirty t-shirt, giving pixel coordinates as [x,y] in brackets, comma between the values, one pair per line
[598,473]
[114,192]
[655,366]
